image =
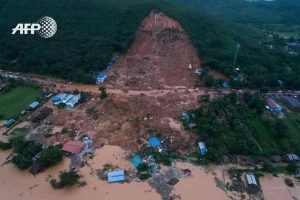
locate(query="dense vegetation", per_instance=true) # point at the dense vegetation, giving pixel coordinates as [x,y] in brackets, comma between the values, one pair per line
[238,124]
[279,11]
[28,152]
[89,32]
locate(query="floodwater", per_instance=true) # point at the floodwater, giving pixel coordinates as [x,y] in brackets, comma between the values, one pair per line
[17,185]
[200,185]
[274,188]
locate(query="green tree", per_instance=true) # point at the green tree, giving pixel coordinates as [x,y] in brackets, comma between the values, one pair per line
[103,93]
[50,157]
[66,179]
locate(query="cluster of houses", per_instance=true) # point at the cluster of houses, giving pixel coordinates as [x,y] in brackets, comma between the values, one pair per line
[79,149]
[100,77]
[290,101]
[69,100]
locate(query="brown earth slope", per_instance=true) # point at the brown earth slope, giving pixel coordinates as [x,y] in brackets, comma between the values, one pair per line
[158,58]
[158,86]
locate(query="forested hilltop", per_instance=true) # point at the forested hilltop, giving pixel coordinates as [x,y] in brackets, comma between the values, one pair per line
[90,31]
[257,11]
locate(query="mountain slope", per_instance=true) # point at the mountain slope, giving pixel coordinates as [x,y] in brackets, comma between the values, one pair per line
[90,31]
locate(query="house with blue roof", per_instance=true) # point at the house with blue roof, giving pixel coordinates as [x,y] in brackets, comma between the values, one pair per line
[33,105]
[116,176]
[185,116]
[202,148]
[59,98]
[101,77]
[154,142]
[225,85]
[9,123]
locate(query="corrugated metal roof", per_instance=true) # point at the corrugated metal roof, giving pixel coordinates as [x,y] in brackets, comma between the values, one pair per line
[116,176]
[251,179]
[73,146]
[202,145]
[293,157]
[273,105]
[292,101]
[34,104]
[67,98]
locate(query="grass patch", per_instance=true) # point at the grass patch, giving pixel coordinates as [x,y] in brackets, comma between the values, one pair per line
[17,99]
[263,134]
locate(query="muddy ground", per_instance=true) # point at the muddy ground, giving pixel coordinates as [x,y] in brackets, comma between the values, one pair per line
[158,58]
[128,121]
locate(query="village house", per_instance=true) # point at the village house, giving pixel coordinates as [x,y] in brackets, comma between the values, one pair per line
[273,106]
[116,176]
[292,103]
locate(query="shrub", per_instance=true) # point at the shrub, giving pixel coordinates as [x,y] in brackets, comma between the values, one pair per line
[144,176]
[50,157]
[21,161]
[103,93]
[291,168]
[143,167]
[66,179]
[4,145]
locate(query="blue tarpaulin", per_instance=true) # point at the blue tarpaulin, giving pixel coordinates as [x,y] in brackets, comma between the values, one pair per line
[154,142]
[136,160]
[225,85]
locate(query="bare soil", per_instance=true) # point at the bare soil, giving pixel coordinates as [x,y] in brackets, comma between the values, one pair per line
[159,57]
[128,121]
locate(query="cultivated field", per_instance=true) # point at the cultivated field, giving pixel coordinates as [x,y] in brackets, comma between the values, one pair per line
[17,99]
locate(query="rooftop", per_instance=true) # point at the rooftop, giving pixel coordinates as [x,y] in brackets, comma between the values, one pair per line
[292,101]
[73,146]
[34,104]
[154,142]
[116,176]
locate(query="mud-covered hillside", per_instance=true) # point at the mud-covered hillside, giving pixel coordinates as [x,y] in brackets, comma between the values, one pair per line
[161,56]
